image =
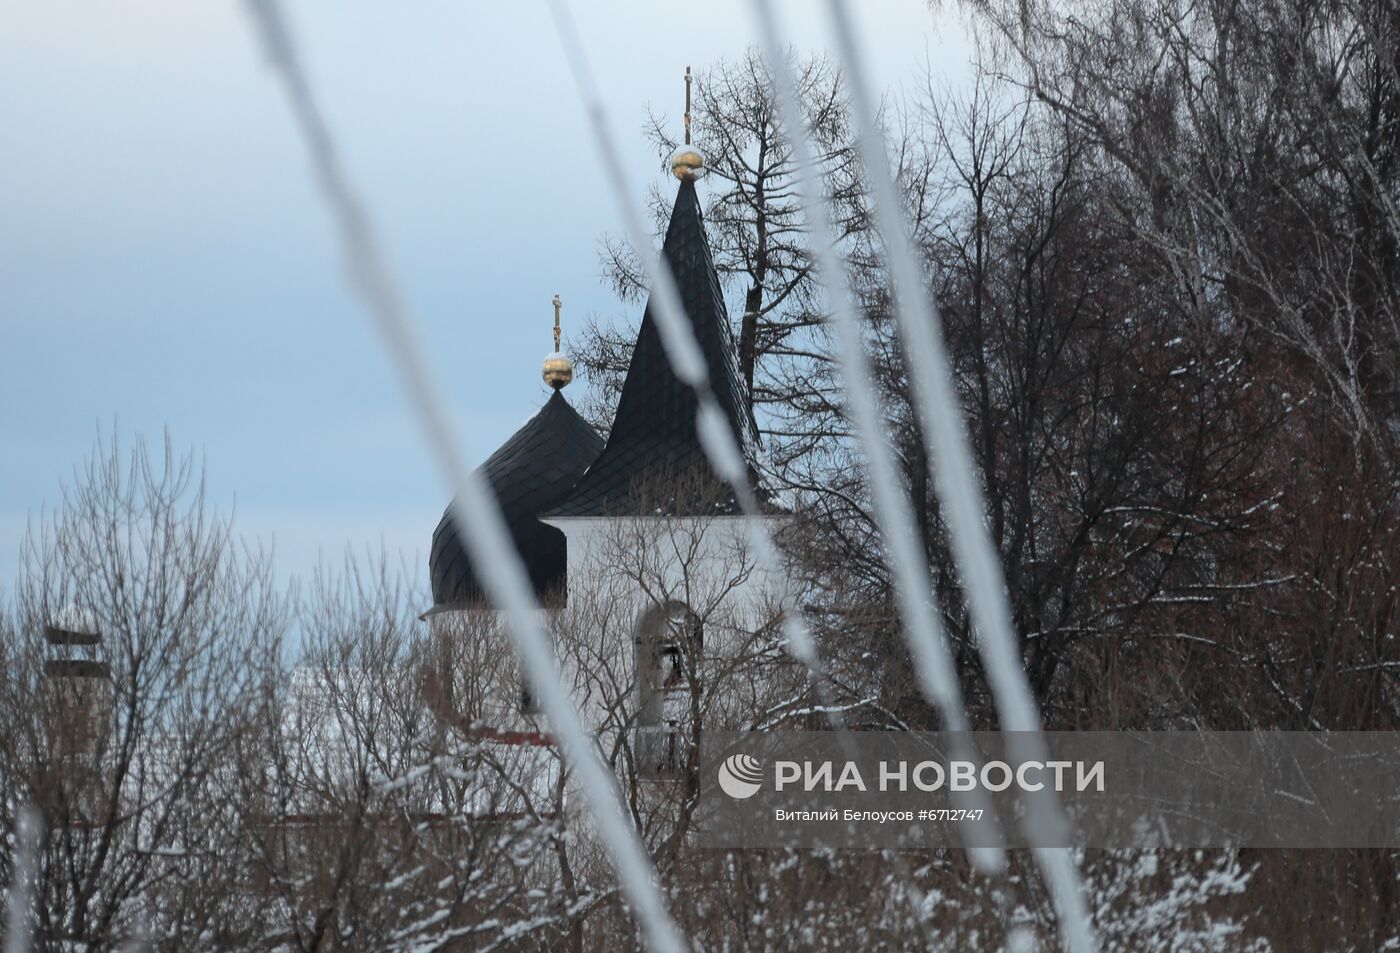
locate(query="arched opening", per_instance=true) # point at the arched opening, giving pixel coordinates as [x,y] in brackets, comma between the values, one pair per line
[669,646]
[669,651]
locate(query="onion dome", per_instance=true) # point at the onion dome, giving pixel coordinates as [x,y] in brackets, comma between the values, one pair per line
[530,474]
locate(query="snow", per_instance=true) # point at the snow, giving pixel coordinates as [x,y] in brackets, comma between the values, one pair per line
[21,893]
[924,631]
[956,482]
[73,618]
[678,339]
[485,534]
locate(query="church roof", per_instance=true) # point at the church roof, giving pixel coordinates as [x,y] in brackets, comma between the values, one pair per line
[653,434]
[532,471]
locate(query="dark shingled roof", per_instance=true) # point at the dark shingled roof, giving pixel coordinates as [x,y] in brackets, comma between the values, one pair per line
[532,471]
[653,433]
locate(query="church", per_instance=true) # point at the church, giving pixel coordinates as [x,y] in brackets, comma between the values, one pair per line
[635,528]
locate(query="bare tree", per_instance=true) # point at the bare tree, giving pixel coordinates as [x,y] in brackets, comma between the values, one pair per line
[384,821]
[754,220]
[121,746]
[1245,159]
[1255,150]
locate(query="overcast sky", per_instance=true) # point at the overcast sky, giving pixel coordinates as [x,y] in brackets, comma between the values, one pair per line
[165,262]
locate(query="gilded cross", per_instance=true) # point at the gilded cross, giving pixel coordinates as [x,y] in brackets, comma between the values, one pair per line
[687,105]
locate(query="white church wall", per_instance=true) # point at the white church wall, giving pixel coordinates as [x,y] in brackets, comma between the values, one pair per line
[697,560]
[619,570]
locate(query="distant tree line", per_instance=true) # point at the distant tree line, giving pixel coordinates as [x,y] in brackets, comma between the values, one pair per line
[220,762]
[1164,239]
[1165,244]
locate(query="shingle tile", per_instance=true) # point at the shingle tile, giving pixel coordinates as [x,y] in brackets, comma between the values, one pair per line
[532,471]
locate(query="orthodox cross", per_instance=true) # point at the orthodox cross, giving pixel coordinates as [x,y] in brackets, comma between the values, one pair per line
[687,105]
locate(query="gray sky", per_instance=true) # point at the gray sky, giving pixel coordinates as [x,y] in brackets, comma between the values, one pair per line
[164,260]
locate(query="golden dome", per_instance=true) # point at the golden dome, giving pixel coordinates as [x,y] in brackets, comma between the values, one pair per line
[687,163]
[558,370]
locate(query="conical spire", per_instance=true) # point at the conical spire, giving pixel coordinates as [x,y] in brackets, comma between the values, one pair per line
[653,434]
